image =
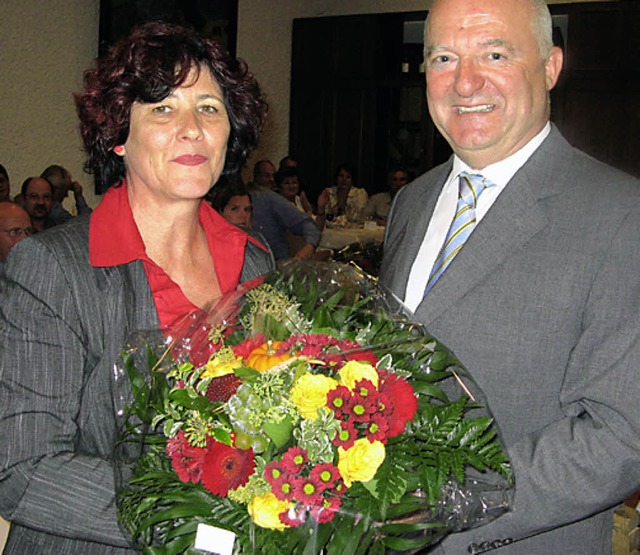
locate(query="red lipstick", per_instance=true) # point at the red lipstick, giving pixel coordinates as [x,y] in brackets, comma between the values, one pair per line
[190,159]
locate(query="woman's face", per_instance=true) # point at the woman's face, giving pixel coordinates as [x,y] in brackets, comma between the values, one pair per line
[290,187]
[343,179]
[176,147]
[238,210]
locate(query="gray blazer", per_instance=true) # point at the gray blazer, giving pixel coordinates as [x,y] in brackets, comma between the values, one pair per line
[62,326]
[542,305]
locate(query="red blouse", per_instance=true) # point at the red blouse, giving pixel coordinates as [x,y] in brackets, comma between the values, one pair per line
[114,239]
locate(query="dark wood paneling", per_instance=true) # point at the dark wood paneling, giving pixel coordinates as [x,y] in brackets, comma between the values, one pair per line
[351,102]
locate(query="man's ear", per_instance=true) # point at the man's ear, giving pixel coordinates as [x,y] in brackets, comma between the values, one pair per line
[553,66]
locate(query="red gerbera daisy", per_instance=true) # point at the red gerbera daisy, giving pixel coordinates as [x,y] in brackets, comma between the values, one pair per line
[226,468]
[186,459]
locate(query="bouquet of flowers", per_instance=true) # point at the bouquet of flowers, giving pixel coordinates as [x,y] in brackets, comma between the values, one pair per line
[305,415]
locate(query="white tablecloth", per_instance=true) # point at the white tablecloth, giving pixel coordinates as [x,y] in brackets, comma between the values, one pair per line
[336,238]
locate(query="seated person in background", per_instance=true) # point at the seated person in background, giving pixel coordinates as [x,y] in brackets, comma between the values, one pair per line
[5,184]
[288,162]
[288,184]
[37,194]
[61,180]
[273,216]
[233,202]
[344,200]
[379,204]
[15,225]
[264,174]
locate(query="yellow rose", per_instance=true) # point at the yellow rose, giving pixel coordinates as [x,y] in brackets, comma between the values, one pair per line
[354,371]
[265,510]
[309,393]
[360,462]
[220,366]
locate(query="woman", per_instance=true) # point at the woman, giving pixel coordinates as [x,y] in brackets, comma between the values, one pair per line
[233,202]
[288,184]
[163,116]
[343,199]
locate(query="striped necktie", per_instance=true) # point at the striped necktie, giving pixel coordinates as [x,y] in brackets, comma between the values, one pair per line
[464,222]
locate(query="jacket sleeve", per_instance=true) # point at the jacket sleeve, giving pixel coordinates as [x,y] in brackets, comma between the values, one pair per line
[50,477]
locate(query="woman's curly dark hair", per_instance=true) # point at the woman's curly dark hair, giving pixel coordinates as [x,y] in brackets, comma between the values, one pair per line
[145,67]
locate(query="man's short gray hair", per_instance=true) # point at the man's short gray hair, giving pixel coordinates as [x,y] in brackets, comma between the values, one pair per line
[541,24]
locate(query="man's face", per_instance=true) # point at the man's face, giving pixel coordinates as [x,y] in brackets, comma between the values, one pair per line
[14,226]
[487,84]
[38,199]
[266,176]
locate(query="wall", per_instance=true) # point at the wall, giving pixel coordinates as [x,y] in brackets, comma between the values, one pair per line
[45,50]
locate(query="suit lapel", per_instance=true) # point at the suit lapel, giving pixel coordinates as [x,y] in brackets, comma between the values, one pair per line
[403,242]
[515,217]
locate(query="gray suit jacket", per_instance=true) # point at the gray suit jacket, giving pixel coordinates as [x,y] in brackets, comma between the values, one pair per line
[542,305]
[62,326]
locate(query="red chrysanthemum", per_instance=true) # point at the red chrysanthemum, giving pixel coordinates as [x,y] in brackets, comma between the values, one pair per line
[307,491]
[346,436]
[294,517]
[283,487]
[405,403]
[377,429]
[273,471]
[244,349]
[325,474]
[226,468]
[327,510]
[186,459]
[294,460]
[338,400]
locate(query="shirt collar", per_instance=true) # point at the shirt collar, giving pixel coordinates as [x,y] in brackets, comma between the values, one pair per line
[501,172]
[114,238]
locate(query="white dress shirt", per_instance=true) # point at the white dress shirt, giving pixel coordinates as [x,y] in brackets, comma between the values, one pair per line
[499,173]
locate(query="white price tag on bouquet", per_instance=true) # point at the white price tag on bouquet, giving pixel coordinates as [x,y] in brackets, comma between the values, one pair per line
[214,540]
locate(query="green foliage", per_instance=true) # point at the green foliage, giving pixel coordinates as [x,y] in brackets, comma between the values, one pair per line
[395,511]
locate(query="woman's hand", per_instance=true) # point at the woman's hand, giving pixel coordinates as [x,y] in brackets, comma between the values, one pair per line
[323,200]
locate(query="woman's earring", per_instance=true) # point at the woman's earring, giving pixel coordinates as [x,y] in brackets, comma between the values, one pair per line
[119,150]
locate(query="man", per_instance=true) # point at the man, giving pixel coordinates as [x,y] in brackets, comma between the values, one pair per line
[274,216]
[5,185]
[264,174]
[62,183]
[15,225]
[37,193]
[542,302]
[379,204]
